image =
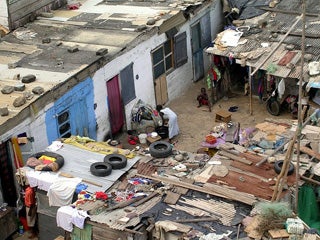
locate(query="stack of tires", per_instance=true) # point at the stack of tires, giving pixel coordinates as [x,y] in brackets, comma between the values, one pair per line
[110,162]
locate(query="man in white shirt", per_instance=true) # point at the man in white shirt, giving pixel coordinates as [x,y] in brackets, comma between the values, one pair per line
[173,120]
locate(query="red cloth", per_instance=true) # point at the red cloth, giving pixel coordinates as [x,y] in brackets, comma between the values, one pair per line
[29,197]
[204,102]
[101,195]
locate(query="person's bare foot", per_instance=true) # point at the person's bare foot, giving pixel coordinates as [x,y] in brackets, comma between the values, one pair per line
[33,236]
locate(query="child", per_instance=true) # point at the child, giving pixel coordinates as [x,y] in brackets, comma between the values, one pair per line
[203,98]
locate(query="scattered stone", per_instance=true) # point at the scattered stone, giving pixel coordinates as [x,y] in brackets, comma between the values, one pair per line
[19,101]
[238,22]
[20,87]
[58,43]
[141,28]
[28,78]
[4,111]
[102,51]
[47,14]
[73,49]
[28,95]
[16,76]
[151,22]
[12,65]
[274,35]
[308,57]
[7,89]
[179,157]
[38,90]
[46,40]
[289,47]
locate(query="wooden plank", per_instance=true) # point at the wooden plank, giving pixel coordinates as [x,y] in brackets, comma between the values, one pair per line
[103,232]
[193,220]
[27,6]
[215,190]
[171,198]
[226,153]
[278,233]
[309,152]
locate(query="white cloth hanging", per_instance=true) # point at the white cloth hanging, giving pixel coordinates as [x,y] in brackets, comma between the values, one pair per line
[281,88]
[61,191]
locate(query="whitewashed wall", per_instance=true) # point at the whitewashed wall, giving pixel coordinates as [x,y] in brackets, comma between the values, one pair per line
[38,130]
[140,56]
[178,80]
[4,13]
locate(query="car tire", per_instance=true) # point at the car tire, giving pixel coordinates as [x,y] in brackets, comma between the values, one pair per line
[100,169]
[278,166]
[59,159]
[160,149]
[117,161]
[273,107]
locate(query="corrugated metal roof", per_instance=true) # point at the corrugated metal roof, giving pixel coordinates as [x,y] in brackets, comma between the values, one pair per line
[278,23]
[77,162]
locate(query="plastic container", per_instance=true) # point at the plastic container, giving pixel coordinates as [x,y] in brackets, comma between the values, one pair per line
[21,230]
[163,131]
[143,138]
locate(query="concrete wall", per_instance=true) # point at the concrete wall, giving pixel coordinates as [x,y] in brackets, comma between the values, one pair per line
[141,58]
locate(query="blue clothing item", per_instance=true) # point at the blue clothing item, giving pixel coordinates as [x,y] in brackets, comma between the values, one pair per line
[80,187]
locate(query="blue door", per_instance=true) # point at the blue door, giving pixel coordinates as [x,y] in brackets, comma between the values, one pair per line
[73,114]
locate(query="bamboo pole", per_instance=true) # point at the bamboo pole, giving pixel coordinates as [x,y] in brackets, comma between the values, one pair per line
[282,177]
[300,116]
[250,89]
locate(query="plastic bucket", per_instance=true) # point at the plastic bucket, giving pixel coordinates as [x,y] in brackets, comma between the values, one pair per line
[143,138]
[163,131]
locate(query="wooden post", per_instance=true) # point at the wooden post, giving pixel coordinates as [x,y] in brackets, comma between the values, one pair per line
[250,89]
[300,116]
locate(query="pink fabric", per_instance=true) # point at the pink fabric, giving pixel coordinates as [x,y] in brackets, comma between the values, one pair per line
[116,111]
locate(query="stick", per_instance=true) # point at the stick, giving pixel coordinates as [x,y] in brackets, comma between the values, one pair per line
[209,219]
[68,175]
[282,177]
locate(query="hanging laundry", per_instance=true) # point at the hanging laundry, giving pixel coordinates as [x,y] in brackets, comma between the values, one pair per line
[281,88]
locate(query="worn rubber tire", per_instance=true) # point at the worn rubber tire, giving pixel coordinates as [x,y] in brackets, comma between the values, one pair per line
[160,149]
[273,107]
[278,167]
[117,161]
[58,157]
[100,169]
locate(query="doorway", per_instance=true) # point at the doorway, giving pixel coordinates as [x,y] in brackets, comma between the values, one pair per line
[115,106]
[161,90]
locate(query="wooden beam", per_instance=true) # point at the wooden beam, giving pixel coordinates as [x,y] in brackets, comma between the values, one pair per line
[193,220]
[288,12]
[309,180]
[215,190]
[309,151]
[227,153]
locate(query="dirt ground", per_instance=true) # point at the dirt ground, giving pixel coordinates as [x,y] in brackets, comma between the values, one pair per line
[195,123]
